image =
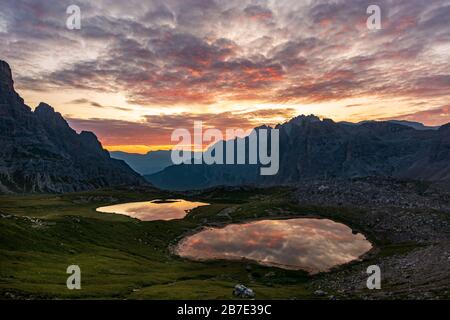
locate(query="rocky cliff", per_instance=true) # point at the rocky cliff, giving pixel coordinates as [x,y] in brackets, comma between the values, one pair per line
[311,148]
[41,153]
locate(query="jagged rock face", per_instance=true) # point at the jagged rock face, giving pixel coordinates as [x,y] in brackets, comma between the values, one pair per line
[315,149]
[41,153]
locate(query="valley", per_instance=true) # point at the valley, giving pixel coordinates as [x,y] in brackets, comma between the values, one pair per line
[178,151]
[124,258]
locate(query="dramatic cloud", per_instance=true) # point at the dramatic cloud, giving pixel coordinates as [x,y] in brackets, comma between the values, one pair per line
[83,101]
[432,116]
[200,55]
[156,129]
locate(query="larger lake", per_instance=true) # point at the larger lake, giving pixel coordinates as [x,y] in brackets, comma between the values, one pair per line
[313,245]
[154,210]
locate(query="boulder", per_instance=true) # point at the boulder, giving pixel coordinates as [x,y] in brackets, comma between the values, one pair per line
[242,291]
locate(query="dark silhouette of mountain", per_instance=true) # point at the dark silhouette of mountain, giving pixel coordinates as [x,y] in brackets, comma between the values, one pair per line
[311,148]
[145,164]
[415,125]
[41,153]
[412,124]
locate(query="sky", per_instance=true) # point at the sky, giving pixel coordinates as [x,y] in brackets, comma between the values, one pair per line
[136,70]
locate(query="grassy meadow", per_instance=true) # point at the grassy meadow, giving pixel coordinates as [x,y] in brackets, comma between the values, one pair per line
[124,258]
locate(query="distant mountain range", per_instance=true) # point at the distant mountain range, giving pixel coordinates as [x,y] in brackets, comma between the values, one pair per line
[145,164]
[412,124]
[41,153]
[311,148]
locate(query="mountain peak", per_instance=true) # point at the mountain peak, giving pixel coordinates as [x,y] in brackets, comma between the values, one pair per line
[48,114]
[305,119]
[445,127]
[301,120]
[10,101]
[44,108]
[45,155]
[90,140]
[45,111]
[90,137]
[6,81]
[413,124]
[264,126]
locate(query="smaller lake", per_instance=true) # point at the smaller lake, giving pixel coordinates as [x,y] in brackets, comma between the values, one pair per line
[313,245]
[154,210]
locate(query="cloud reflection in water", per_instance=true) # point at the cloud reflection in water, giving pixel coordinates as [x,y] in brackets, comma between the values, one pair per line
[313,245]
[154,210]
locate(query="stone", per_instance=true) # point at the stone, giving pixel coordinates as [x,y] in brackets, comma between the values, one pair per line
[242,291]
[320,293]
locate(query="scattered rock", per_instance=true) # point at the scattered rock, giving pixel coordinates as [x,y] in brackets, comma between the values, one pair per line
[320,293]
[242,291]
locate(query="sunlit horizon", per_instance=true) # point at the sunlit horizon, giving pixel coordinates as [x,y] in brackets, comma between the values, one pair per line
[136,71]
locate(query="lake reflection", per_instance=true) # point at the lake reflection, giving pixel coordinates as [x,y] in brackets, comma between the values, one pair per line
[154,210]
[313,245]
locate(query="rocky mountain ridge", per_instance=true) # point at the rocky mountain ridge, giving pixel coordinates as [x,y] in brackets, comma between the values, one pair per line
[41,153]
[311,148]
